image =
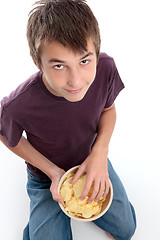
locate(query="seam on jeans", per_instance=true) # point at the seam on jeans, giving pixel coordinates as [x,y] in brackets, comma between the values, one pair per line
[69,229]
[115,236]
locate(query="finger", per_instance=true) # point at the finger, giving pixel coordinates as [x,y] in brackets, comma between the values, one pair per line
[106,189]
[79,172]
[94,192]
[101,192]
[86,189]
[55,194]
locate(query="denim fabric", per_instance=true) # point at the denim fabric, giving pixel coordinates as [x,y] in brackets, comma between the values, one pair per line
[48,222]
[120,219]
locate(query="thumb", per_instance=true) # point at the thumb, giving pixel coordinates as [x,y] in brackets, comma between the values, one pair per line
[54,191]
[79,172]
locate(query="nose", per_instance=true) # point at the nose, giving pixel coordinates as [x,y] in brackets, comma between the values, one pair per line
[74,79]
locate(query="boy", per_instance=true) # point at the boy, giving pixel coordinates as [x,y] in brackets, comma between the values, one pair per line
[67,111]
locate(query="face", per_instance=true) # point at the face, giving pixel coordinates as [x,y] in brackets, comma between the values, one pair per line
[68,74]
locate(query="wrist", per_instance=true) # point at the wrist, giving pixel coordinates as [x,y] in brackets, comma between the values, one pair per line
[50,169]
[54,171]
[99,149]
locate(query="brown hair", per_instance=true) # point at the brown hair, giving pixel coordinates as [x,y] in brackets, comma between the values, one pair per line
[70,22]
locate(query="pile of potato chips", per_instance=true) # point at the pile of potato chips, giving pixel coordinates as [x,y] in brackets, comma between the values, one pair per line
[71,193]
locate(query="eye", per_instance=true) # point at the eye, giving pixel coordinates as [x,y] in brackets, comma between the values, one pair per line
[59,67]
[84,62]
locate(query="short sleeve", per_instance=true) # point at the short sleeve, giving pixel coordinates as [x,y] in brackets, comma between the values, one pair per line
[115,85]
[9,127]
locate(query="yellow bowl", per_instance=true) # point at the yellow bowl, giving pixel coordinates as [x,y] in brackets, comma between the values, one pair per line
[105,206]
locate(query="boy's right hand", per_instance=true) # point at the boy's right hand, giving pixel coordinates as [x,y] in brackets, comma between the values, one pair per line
[54,185]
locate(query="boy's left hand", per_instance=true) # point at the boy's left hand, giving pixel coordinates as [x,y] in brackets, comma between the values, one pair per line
[95,166]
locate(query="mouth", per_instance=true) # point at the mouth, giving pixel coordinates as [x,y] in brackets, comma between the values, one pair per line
[74,91]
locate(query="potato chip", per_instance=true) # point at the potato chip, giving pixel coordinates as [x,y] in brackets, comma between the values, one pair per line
[71,174]
[67,182]
[96,210]
[85,201]
[66,193]
[88,212]
[79,186]
[72,204]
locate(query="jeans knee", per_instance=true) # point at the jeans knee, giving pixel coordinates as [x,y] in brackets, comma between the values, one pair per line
[129,232]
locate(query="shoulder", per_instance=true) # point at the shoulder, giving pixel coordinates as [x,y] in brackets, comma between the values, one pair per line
[106,65]
[105,60]
[21,92]
[105,56]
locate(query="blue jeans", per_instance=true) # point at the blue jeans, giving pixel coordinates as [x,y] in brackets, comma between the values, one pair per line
[47,221]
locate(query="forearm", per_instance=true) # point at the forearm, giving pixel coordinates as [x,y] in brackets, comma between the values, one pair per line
[95,165]
[26,151]
[105,130]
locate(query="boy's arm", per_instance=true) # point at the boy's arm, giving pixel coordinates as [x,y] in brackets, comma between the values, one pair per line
[26,151]
[95,164]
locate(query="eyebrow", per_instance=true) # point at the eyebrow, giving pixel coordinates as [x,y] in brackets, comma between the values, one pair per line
[87,55]
[62,61]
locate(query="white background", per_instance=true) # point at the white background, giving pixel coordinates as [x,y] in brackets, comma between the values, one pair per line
[130,34]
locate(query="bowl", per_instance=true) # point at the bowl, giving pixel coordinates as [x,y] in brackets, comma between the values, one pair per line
[105,206]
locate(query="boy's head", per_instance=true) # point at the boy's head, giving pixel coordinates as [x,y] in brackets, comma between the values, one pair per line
[68,22]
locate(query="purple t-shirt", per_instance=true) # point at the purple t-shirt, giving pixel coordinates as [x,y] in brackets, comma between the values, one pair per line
[62,131]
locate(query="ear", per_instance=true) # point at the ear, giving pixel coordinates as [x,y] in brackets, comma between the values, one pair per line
[36,64]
